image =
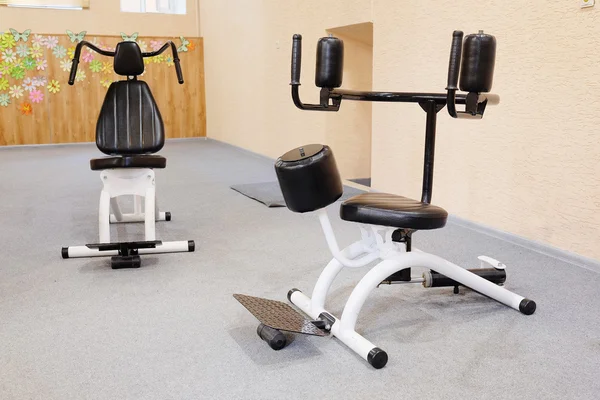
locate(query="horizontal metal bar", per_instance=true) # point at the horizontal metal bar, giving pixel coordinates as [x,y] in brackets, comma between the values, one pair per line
[399,97]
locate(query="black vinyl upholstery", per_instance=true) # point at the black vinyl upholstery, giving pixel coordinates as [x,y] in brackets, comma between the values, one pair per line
[390,210]
[143,161]
[129,122]
[128,59]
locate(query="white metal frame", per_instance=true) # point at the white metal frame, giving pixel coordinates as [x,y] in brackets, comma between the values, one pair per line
[376,244]
[139,183]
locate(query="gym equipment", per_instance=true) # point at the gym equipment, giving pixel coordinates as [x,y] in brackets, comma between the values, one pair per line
[129,130]
[310,181]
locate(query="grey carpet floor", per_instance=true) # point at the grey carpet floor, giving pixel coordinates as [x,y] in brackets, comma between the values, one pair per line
[75,329]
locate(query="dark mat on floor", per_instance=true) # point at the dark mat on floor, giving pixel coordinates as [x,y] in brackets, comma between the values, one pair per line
[270,194]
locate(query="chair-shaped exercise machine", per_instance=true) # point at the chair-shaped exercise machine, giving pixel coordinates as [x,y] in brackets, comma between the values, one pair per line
[310,181]
[130,130]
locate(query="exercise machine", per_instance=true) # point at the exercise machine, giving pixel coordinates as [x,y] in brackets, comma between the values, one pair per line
[310,181]
[130,131]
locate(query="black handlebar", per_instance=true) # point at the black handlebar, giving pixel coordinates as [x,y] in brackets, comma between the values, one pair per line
[75,62]
[296,59]
[455,56]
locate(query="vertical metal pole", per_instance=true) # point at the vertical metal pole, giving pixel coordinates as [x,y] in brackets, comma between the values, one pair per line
[431,109]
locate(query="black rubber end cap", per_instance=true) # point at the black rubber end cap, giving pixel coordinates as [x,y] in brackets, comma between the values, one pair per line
[297,36]
[65,252]
[290,294]
[191,246]
[275,338]
[377,358]
[527,306]
[168,216]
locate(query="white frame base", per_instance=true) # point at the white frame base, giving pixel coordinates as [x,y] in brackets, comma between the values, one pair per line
[376,244]
[139,183]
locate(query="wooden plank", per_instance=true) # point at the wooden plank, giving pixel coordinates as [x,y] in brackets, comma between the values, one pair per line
[70,115]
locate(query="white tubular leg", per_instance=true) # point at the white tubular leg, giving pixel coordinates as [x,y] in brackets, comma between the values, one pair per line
[104,217]
[137,205]
[137,218]
[149,216]
[407,260]
[116,216]
[165,247]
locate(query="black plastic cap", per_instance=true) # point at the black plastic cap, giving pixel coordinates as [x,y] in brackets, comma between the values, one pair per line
[297,36]
[168,216]
[527,306]
[377,358]
[65,252]
[191,246]
[290,293]
[275,338]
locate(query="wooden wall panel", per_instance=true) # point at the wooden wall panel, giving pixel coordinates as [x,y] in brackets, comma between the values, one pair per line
[71,114]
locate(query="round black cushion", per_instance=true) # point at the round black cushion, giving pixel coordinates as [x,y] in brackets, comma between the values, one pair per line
[309,178]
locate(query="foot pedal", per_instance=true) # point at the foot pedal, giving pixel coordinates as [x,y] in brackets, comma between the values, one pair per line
[279,316]
[121,262]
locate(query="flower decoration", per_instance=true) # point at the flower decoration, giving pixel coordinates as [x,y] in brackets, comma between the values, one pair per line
[87,56]
[169,61]
[36,96]
[191,46]
[51,42]
[158,59]
[9,56]
[29,85]
[96,66]
[80,75]
[65,65]
[7,41]
[40,81]
[22,50]
[17,72]
[4,100]
[42,65]
[16,91]
[155,44]
[54,86]
[29,63]
[5,68]
[143,46]
[25,108]
[107,67]
[38,40]
[71,52]
[147,60]
[36,52]
[3,84]
[105,82]
[59,52]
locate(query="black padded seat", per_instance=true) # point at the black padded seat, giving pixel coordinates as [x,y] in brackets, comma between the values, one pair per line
[390,210]
[142,161]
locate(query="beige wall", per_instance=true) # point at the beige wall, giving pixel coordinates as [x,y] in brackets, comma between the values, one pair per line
[102,18]
[530,167]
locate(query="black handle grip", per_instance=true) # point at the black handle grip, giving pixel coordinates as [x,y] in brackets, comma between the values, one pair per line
[455,56]
[296,59]
[74,65]
[75,62]
[178,69]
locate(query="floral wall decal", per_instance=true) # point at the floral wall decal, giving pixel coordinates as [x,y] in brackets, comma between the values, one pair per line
[33,67]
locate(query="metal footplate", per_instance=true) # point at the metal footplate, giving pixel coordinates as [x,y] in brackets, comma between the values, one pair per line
[276,316]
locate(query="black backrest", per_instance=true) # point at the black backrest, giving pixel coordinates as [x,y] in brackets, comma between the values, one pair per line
[129,121]
[128,59]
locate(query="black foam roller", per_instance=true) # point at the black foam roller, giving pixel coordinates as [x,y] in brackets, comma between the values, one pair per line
[330,63]
[309,178]
[479,58]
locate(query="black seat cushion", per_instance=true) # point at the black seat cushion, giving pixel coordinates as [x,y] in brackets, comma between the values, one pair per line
[144,161]
[391,210]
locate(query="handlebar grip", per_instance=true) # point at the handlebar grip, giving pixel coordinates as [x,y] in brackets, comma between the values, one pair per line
[74,65]
[178,70]
[455,56]
[296,59]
